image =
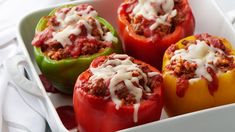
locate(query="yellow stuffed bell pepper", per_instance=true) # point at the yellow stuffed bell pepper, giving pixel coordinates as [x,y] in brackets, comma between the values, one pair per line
[198,73]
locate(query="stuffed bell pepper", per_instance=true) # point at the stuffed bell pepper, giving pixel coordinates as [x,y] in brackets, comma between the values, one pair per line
[68,39]
[117,92]
[198,73]
[149,27]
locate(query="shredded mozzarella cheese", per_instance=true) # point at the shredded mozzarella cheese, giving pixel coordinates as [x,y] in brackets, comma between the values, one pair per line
[149,9]
[120,69]
[71,22]
[201,54]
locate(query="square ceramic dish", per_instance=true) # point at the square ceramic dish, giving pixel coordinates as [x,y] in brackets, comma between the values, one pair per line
[209,19]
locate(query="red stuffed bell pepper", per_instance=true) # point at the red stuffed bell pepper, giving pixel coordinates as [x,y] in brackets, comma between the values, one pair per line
[149,27]
[117,92]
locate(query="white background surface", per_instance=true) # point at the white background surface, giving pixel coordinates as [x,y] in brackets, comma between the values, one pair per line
[227,5]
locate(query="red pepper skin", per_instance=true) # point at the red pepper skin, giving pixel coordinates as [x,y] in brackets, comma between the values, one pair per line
[151,49]
[95,114]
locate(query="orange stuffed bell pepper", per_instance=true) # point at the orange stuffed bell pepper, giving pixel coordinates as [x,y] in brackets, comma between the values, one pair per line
[117,92]
[198,73]
[149,27]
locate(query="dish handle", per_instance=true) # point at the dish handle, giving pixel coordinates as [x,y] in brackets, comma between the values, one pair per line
[20,74]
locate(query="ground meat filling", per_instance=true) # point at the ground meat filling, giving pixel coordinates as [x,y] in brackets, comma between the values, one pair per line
[152,17]
[203,58]
[119,78]
[97,88]
[72,32]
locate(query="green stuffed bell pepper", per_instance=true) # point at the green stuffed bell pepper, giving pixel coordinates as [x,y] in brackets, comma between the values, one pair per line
[68,39]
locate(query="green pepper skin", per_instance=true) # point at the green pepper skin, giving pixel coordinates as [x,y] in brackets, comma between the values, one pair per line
[63,73]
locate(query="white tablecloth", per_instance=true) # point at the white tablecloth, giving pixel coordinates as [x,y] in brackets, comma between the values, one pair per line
[15,114]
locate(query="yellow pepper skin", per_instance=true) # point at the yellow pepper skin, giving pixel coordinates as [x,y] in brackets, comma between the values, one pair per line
[197,96]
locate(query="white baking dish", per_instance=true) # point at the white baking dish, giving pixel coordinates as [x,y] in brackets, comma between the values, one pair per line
[209,19]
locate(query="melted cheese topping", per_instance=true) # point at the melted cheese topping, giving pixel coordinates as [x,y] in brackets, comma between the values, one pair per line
[202,54]
[120,69]
[135,114]
[71,22]
[109,37]
[149,9]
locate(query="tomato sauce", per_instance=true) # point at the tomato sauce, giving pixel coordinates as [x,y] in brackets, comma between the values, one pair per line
[213,85]
[181,87]
[67,116]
